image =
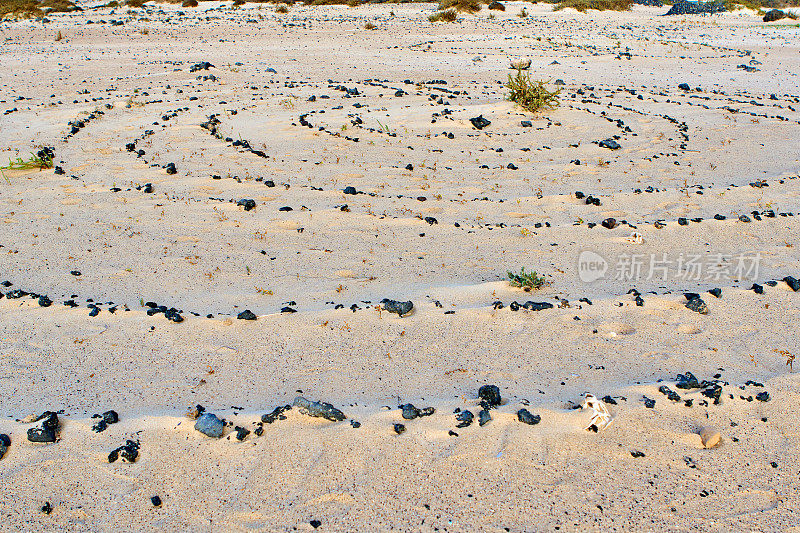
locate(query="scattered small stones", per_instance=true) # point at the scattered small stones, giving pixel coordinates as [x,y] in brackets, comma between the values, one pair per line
[276,414]
[156,501]
[208,424]
[636,454]
[697,305]
[399,308]
[247,203]
[129,452]
[689,381]
[319,409]
[399,429]
[479,122]
[484,417]
[611,144]
[107,418]
[410,412]
[47,431]
[464,418]
[609,223]
[526,417]
[247,315]
[241,433]
[669,393]
[714,392]
[490,396]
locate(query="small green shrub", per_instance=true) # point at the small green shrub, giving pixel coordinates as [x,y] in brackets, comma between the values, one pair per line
[41,160]
[526,280]
[20,8]
[530,95]
[58,6]
[599,5]
[448,15]
[464,6]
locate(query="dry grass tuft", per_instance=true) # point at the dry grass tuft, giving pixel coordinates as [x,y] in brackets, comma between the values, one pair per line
[599,5]
[464,6]
[530,95]
[448,15]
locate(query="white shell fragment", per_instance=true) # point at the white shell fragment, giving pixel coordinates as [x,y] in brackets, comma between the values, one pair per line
[601,418]
[635,238]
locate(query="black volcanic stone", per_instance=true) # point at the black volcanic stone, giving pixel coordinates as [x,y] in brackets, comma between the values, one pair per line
[525,416]
[490,394]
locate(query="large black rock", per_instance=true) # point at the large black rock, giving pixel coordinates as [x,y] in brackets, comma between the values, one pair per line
[773,15]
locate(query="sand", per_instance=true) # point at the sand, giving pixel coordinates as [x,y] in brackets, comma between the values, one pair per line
[442,233]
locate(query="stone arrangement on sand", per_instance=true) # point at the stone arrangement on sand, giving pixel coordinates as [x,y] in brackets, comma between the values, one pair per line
[394,297]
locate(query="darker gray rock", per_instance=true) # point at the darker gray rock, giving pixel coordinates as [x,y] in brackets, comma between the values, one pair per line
[319,409]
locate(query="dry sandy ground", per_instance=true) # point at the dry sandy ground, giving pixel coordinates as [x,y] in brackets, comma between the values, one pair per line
[728,146]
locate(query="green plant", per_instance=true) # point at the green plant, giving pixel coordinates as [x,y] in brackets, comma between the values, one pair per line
[526,280]
[58,6]
[42,160]
[530,95]
[448,15]
[21,8]
[465,6]
[599,5]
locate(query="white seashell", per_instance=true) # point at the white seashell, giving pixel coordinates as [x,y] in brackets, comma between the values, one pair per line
[601,418]
[635,238]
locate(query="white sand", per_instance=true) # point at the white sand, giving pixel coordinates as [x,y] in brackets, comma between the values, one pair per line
[186,246]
